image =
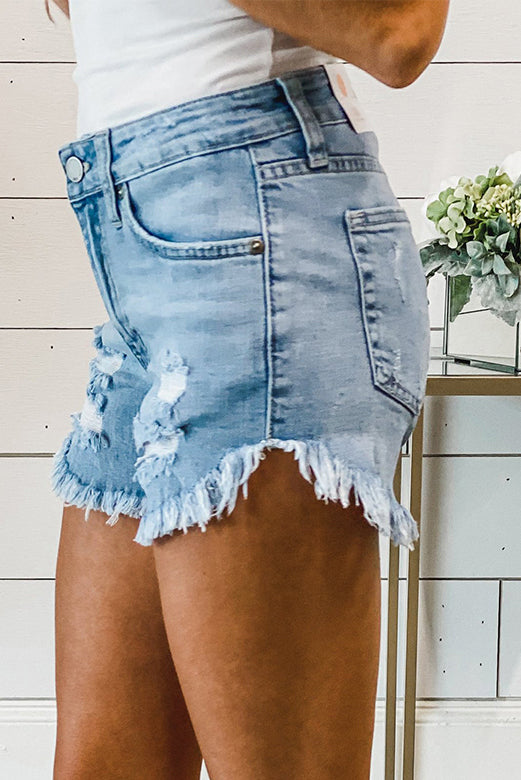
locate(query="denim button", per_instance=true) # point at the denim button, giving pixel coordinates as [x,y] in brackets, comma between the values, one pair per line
[74,168]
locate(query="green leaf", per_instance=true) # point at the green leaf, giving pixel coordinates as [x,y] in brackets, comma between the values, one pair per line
[503,224]
[508,284]
[433,257]
[460,289]
[488,242]
[499,265]
[473,268]
[487,264]
[446,196]
[475,249]
[503,178]
[502,241]
[511,264]
[435,210]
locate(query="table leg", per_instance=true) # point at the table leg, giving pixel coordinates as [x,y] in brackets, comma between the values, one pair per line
[412,605]
[392,642]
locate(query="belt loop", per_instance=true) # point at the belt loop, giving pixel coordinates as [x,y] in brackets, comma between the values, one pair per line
[104,155]
[315,143]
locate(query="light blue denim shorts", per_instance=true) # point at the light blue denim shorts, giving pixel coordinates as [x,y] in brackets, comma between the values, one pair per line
[263,290]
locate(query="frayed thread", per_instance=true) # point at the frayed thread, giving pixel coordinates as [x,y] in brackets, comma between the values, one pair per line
[89,422]
[75,493]
[217,491]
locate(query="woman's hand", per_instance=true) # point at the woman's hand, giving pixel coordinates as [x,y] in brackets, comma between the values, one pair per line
[392,40]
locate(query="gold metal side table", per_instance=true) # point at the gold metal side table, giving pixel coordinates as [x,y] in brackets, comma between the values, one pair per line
[446,377]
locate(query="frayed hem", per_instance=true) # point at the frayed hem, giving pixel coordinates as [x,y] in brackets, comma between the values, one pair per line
[333,479]
[73,492]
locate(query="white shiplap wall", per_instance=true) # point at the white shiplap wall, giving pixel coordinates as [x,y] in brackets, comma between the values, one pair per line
[462,115]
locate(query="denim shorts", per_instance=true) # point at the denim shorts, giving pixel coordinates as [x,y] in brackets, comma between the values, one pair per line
[263,290]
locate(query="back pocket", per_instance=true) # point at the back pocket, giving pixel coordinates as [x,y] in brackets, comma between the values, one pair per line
[395,306]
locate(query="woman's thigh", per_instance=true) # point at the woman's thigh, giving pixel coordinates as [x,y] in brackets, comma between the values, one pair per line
[121,712]
[273,620]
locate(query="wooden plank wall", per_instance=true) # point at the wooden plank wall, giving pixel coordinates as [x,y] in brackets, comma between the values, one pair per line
[459,117]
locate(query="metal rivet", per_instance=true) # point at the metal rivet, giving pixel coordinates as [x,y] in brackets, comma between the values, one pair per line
[74,168]
[256,246]
[119,191]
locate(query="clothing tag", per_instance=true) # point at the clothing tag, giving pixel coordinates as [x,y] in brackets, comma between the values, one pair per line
[346,96]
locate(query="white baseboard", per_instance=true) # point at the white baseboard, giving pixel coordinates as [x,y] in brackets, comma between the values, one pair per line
[459,739]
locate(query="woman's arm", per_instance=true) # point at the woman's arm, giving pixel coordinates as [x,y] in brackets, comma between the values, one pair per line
[393,40]
[63,5]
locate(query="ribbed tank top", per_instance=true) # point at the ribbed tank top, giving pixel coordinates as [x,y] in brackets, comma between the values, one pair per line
[134,57]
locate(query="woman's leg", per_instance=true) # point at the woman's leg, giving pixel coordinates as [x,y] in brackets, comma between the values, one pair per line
[121,713]
[273,620]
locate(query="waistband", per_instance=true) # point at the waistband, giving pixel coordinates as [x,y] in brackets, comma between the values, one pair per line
[301,99]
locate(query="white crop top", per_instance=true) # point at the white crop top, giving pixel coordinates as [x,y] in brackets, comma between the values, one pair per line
[134,57]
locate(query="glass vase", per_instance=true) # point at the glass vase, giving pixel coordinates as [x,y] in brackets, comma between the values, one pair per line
[479,338]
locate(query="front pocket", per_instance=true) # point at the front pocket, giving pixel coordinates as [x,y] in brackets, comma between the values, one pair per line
[187,250]
[195,208]
[393,293]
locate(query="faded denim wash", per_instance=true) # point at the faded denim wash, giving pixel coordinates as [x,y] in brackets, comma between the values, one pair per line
[263,290]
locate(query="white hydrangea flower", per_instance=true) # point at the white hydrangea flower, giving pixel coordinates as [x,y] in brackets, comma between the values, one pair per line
[511,165]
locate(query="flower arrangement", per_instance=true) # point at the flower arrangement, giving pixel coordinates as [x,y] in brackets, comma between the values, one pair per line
[477,239]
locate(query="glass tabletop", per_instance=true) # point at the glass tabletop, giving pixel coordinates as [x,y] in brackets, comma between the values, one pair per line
[444,366]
